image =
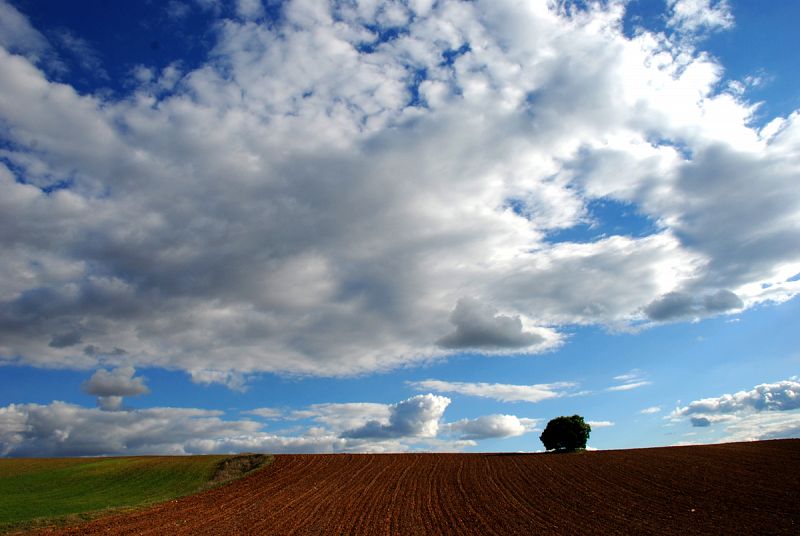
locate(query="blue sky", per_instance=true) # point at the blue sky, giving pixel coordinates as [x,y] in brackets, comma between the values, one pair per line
[313,226]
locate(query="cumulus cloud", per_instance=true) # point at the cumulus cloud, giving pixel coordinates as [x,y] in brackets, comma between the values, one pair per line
[491,426]
[346,187]
[418,416]
[117,382]
[110,386]
[498,391]
[342,417]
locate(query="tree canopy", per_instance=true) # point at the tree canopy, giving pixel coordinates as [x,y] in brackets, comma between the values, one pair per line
[566,434]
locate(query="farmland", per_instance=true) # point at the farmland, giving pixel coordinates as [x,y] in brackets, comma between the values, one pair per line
[737,488]
[34,490]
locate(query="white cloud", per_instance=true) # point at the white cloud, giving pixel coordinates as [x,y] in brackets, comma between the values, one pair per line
[768,411]
[779,396]
[695,15]
[632,376]
[491,426]
[341,417]
[762,426]
[340,215]
[600,424]
[269,443]
[62,429]
[232,379]
[630,380]
[629,386]
[651,410]
[498,391]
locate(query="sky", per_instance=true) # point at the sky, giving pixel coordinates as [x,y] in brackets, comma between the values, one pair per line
[399,225]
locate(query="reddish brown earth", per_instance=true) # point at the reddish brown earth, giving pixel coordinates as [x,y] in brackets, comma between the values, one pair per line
[737,488]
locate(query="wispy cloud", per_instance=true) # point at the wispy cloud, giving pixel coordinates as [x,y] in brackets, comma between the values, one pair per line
[265,413]
[629,386]
[630,380]
[498,391]
[600,424]
[700,15]
[82,52]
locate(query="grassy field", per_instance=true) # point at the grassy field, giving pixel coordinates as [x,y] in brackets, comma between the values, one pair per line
[36,490]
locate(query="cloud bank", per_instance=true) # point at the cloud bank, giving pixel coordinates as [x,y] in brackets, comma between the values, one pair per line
[768,411]
[346,187]
[780,396]
[63,429]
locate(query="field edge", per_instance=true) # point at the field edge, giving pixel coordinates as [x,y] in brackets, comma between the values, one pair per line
[226,471]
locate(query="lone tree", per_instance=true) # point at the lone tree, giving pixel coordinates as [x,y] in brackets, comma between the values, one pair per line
[566,434]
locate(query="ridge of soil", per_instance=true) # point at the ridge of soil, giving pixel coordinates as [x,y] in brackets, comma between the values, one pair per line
[734,488]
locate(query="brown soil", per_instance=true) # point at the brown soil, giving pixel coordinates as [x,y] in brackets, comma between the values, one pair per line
[737,488]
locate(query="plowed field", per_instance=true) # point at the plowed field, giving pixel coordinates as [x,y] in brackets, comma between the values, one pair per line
[738,488]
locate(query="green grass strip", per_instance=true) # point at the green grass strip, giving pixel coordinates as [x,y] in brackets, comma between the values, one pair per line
[50,489]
